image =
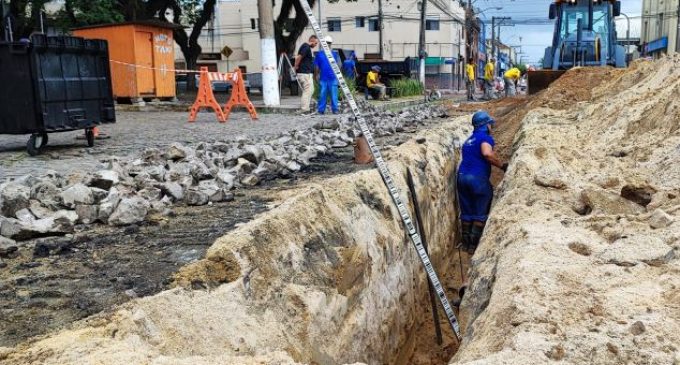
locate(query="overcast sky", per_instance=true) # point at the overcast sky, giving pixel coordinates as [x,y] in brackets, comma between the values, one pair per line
[535,38]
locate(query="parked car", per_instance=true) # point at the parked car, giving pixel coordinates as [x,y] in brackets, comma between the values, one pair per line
[217,85]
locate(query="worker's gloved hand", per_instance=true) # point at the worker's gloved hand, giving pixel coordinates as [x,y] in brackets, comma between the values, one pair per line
[505,167]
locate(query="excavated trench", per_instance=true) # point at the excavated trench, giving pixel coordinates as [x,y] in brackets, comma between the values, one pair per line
[569,269]
[327,276]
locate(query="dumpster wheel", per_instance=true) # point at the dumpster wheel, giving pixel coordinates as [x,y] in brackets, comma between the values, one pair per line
[36,143]
[89,136]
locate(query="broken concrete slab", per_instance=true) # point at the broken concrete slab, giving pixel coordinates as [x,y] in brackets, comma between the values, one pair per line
[8,247]
[195,197]
[13,197]
[105,179]
[87,214]
[20,230]
[129,211]
[77,194]
[177,152]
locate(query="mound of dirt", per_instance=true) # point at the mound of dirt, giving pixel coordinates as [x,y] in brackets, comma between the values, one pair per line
[580,262]
[575,86]
[325,277]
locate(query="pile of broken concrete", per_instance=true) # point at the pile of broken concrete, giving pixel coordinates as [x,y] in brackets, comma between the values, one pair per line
[127,190]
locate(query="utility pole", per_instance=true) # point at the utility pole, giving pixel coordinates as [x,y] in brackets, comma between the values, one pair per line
[421,42]
[270,82]
[677,33]
[2,21]
[493,37]
[496,37]
[380,27]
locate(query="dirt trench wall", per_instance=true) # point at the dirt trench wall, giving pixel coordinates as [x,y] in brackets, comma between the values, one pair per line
[580,261]
[326,277]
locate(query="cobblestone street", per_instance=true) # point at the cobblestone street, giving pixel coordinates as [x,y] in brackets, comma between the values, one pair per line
[135,131]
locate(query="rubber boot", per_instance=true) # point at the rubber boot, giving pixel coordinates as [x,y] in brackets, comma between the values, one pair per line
[475,236]
[465,236]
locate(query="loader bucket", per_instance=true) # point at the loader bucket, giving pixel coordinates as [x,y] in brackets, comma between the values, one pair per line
[541,79]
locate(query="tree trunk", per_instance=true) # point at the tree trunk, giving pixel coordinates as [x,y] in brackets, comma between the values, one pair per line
[286,44]
[188,44]
[270,82]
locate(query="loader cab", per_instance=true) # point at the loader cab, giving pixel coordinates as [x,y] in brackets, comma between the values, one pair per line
[572,16]
[597,33]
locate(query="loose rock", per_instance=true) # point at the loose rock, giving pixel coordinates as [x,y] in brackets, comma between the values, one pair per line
[660,219]
[77,194]
[13,197]
[105,179]
[129,211]
[193,196]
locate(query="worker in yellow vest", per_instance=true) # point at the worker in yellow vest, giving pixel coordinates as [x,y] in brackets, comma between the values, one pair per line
[489,78]
[470,81]
[511,77]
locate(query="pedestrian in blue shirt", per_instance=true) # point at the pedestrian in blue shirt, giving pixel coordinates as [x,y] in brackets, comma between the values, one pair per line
[349,67]
[475,192]
[327,80]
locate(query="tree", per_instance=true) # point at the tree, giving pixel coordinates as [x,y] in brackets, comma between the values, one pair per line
[25,17]
[78,13]
[287,31]
[522,68]
[197,14]
[191,14]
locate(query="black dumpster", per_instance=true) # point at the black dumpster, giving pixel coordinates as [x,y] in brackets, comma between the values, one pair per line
[54,84]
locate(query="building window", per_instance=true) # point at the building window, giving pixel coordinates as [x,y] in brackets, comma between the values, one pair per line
[334,25]
[360,21]
[432,23]
[373,25]
[253,24]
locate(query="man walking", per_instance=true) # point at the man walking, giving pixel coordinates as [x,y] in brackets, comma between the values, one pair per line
[304,66]
[470,71]
[511,77]
[489,70]
[475,192]
[327,79]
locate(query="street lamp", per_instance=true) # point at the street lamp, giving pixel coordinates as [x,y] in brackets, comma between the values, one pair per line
[493,7]
[627,28]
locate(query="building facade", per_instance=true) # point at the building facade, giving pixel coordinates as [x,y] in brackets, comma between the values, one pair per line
[352,24]
[660,27]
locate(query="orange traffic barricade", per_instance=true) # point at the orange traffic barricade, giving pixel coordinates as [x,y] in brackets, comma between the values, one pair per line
[205,98]
[238,95]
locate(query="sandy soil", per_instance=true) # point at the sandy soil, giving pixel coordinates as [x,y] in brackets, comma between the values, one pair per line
[579,262]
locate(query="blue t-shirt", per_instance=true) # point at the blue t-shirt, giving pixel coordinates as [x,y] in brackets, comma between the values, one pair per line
[474,162]
[325,69]
[348,68]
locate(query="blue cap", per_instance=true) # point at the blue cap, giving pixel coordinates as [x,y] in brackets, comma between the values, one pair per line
[482,118]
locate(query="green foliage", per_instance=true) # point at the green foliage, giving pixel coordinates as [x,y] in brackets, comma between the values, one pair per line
[78,13]
[522,68]
[351,84]
[406,87]
[191,10]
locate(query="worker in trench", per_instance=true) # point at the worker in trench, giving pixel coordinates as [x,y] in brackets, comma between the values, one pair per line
[474,188]
[511,77]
